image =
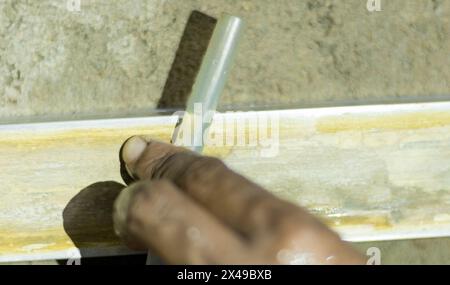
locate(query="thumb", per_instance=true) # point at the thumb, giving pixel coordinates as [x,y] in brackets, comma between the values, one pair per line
[156,215]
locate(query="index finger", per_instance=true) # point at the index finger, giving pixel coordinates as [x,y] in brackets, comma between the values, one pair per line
[237,201]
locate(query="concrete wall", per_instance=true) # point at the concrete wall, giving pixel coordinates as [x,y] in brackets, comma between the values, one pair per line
[113,57]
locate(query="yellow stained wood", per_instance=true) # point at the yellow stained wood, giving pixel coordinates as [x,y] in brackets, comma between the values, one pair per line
[380,174]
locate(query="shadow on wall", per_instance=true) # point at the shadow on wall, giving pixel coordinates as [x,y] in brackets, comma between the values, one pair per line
[187,62]
[87,220]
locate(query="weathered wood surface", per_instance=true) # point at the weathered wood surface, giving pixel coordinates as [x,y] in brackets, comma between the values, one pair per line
[371,172]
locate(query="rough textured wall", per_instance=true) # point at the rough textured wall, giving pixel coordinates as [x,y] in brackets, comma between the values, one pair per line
[114,56]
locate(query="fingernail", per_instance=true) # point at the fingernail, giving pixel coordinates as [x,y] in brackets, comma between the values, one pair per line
[133,149]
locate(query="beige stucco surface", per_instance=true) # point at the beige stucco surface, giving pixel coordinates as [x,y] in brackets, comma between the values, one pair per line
[113,57]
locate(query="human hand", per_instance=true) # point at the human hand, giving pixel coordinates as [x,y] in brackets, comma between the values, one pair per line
[192,209]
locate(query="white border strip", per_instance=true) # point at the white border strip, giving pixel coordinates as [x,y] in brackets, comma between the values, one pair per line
[168,120]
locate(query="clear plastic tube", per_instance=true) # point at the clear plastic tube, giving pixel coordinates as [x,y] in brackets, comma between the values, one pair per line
[211,78]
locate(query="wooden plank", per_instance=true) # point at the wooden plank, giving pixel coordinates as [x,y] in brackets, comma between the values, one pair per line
[370,172]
